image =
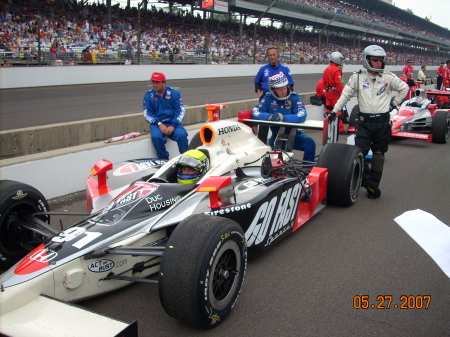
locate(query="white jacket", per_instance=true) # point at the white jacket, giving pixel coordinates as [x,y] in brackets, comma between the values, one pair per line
[374,92]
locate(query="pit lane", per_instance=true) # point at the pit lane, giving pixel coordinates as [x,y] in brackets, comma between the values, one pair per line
[305,285]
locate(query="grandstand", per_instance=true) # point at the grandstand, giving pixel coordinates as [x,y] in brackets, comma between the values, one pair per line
[65,32]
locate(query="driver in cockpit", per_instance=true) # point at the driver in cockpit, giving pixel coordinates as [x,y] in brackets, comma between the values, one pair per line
[191,166]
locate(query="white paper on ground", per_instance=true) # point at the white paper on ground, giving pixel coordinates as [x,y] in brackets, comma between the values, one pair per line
[430,233]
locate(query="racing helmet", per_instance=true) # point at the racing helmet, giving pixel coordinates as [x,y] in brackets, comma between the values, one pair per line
[196,160]
[415,101]
[279,81]
[337,57]
[373,50]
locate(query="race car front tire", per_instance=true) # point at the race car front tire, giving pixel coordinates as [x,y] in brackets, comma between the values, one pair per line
[18,201]
[202,270]
[345,165]
[440,128]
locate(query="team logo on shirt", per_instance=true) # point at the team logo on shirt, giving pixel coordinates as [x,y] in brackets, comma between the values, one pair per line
[168,95]
[365,85]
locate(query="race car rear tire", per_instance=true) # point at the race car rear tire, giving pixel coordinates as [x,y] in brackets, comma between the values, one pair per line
[352,118]
[345,170]
[440,128]
[202,270]
[18,201]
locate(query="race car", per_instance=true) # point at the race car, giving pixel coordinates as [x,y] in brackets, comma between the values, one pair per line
[418,117]
[190,240]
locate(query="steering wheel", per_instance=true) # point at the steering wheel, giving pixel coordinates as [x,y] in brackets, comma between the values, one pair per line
[158,180]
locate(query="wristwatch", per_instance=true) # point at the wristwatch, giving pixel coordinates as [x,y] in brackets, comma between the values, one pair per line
[159,123]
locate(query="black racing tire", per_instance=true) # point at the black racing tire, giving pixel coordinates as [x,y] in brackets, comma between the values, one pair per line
[440,128]
[17,201]
[345,165]
[195,142]
[202,270]
[352,118]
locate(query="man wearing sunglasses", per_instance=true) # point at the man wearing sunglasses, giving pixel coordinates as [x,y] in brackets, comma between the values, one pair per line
[374,89]
[408,68]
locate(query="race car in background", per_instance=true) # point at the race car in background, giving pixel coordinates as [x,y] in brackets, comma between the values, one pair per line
[190,240]
[418,117]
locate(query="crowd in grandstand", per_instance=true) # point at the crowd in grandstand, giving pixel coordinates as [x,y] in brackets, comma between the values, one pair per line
[343,8]
[64,27]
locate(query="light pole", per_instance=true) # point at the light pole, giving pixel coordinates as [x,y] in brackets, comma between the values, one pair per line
[254,29]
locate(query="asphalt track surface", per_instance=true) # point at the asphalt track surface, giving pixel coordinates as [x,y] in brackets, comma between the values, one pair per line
[305,285]
[29,107]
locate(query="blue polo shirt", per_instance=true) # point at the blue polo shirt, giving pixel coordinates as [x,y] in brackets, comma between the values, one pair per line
[268,70]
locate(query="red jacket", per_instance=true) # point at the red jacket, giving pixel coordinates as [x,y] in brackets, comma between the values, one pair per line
[332,79]
[320,88]
[408,69]
[440,71]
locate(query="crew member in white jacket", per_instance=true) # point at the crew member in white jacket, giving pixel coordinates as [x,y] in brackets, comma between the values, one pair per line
[374,89]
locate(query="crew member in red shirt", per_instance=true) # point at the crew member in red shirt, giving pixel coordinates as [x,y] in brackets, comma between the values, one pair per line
[408,68]
[332,79]
[446,77]
[321,90]
[440,75]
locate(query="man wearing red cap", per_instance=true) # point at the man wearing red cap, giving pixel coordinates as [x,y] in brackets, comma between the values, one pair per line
[163,109]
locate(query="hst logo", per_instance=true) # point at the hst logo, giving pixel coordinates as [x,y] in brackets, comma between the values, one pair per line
[43,255]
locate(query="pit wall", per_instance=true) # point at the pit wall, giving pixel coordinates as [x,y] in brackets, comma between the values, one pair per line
[27,141]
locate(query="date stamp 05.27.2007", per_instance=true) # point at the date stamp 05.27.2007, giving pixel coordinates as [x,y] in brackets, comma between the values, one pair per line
[388,302]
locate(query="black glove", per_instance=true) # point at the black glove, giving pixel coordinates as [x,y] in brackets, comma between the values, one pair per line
[392,104]
[276,117]
[331,116]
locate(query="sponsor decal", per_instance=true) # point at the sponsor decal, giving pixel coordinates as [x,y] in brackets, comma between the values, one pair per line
[101,266]
[274,217]
[135,167]
[43,255]
[160,205]
[223,142]
[365,85]
[231,209]
[136,192]
[256,182]
[383,88]
[19,195]
[228,129]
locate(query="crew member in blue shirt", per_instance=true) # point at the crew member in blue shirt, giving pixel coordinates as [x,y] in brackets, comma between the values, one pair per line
[164,110]
[283,105]
[272,68]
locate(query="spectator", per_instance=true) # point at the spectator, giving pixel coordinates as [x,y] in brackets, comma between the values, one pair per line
[283,105]
[128,61]
[374,89]
[163,109]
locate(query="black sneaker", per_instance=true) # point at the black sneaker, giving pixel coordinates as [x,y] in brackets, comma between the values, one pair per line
[373,192]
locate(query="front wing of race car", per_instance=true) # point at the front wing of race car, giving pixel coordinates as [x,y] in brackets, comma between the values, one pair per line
[46,316]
